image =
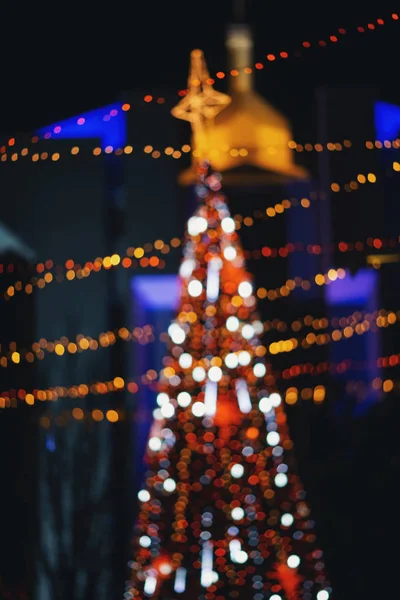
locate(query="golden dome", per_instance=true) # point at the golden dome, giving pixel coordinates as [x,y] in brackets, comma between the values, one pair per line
[248,132]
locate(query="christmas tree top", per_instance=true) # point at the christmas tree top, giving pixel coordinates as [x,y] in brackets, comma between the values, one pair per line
[223,514]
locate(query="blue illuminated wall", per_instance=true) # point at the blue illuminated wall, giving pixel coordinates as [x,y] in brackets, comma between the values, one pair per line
[358,292]
[154,299]
[108,123]
[387,121]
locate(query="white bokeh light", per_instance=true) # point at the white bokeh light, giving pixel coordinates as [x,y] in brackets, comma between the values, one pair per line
[237,471]
[198,374]
[247,332]
[244,358]
[230,253]
[237,513]
[143,496]
[185,360]
[187,268]
[245,289]
[265,404]
[259,369]
[293,561]
[197,225]
[275,597]
[162,398]
[273,438]
[176,333]
[155,444]
[169,485]
[232,323]
[167,410]
[280,480]
[275,399]
[231,360]
[199,409]
[241,557]
[214,374]
[258,327]
[165,568]
[323,595]
[195,288]
[184,399]
[228,225]
[287,519]
[145,541]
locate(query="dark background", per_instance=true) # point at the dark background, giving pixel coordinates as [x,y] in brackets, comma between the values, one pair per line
[61,59]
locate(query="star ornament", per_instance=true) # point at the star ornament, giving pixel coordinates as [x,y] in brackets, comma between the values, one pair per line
[202,102]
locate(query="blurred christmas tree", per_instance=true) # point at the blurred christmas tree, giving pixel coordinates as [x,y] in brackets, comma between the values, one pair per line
[222,513]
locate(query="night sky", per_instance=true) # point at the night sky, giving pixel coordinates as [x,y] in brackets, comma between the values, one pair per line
[60,59]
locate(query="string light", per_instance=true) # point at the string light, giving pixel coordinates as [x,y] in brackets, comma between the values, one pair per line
[84,416]
[358,388]
[77,272]
[134,257]
[290,285]
[141,335]
[381,316]
[362,389]
[298,370]
[178,153]
[316,249]
[144,335]
[12,398]
[304,47]
[366,325]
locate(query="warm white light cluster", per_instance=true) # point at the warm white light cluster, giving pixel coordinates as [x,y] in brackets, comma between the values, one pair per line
[197,225]
[167,410]
[287,519]
[238,555]
[145,541]
[259,369]
[273,438]
[210,395]
[228,225]
[267,403]
[281,480]
[213,269]
[232,324]
[237,471]
[195,288]
[187,267]
[143,496]
[184,399]
[230,253]
[243,396]
[208,575]
[185,360]
[199,409]
[176,333]
[293,561]
[169,485]
[237,513]
[198,374]
[180,580]
[155,444]
[245,289]
[215,374]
